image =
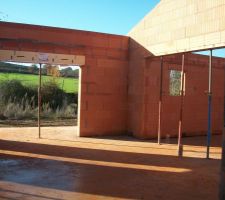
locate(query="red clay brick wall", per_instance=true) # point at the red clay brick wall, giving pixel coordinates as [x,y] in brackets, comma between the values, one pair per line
[195,101]
[119,96]
[103,78]
[138,78]
[104,97]
[136,89]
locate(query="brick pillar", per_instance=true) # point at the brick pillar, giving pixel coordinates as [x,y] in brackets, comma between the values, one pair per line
[222,175]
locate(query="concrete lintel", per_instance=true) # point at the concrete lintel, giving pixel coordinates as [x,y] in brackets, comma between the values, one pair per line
[41,57]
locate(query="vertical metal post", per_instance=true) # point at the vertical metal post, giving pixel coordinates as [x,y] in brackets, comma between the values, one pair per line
[39,103]
[222,174]
[160,100]
[180,146]
[209,105]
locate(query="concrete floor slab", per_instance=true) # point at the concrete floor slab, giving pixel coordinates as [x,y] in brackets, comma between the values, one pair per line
[114,168]
[60,133]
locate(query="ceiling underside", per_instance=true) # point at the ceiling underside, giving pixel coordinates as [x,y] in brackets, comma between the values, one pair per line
[176,26]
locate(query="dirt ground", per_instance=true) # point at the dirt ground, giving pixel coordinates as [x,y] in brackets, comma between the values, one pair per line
[104,168]
[34,123]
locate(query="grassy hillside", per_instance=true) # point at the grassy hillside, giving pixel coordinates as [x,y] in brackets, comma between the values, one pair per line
[69,85]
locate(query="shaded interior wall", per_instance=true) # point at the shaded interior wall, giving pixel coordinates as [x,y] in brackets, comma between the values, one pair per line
[145,88]
[136,89]
[103,78]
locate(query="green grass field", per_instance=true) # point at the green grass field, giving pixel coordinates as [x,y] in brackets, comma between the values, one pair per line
[69,85]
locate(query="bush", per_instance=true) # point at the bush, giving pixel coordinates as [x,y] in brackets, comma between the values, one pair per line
[20,102]
[13,90]
[47,112]
[67,111]
[52,95]
[18,111]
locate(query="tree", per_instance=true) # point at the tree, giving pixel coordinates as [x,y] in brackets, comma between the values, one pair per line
[53,70]
[33,69]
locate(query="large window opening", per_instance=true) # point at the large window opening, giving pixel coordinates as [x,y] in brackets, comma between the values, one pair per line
[18,95]
[39,100]
[59,101]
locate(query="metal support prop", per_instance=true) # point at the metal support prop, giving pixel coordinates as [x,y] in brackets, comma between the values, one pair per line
[209,105]
[222,175]
[180,146]
[160,100]
[39,103]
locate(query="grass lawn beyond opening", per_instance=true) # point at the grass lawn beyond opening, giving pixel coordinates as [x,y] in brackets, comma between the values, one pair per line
[69,85]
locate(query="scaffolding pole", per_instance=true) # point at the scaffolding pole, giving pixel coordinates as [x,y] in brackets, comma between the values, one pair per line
[209,105]
[180,146]
[160,100]
[39,103]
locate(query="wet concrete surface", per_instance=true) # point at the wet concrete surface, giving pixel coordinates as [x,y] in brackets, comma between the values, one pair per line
[89,168]
[41,172]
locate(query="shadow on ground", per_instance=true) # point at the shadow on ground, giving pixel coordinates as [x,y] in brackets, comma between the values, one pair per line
[107,173]
[216,140]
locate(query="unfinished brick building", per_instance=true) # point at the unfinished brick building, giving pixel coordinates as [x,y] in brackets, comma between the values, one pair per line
[125,80]
[121,75]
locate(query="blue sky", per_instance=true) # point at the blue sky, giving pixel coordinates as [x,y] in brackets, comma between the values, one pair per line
[108,16]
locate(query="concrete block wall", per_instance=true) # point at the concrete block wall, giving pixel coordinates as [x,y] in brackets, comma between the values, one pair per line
[136,89]
[103,99]
[120,81]
[195,100]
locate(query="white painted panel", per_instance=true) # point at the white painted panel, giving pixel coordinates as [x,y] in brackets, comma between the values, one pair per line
[39,57]
[5,55]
